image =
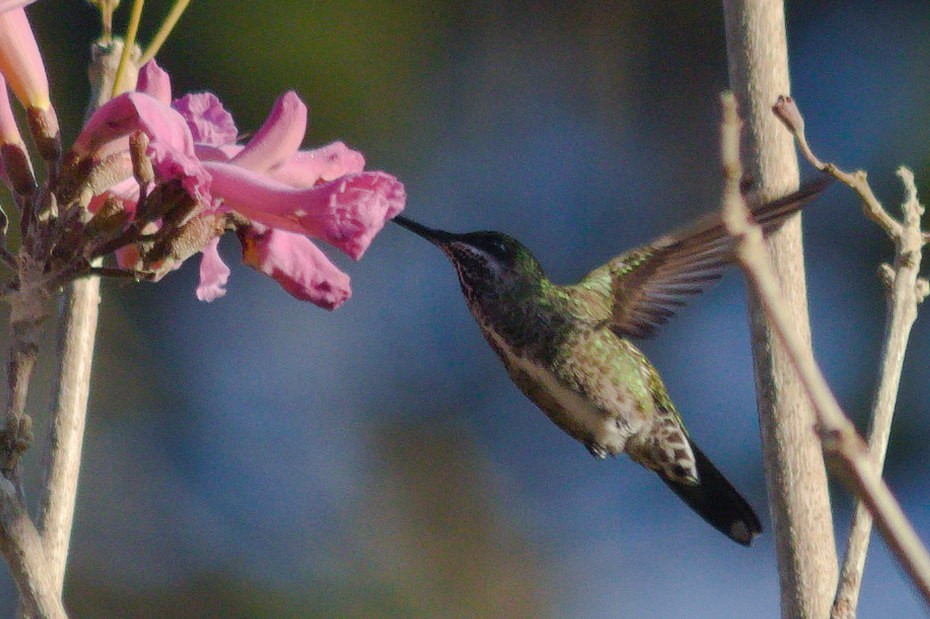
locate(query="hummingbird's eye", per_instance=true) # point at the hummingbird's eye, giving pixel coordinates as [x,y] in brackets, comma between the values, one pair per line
[498,248]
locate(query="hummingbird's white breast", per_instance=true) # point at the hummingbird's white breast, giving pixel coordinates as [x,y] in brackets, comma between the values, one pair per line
[604,429]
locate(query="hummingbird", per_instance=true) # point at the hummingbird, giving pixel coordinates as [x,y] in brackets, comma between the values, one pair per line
[568,348]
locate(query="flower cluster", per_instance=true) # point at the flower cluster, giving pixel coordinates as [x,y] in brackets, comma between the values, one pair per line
[155,180]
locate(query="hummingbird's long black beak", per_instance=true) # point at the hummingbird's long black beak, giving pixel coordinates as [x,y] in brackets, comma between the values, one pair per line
[436,237]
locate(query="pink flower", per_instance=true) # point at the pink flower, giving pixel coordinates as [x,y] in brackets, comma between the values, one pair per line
[271,182]
[286,194]
[208,122]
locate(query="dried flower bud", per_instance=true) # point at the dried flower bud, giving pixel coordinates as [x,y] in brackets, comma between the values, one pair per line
[142,168]
[168,202]
[179,244]
[92,177]
[43,123]
[108,222]
[787,111]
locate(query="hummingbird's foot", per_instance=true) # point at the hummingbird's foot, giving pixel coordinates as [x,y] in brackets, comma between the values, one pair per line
[596,450]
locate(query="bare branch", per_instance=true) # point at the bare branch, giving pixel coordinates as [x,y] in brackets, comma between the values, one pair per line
[904,293]
[796,480]
[787,111]
[22,548]
[28,307]
[77,332]
[838,436]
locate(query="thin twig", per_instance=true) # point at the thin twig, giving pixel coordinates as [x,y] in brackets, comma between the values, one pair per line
[841,443]
[117,273]
[787,111]
[129,235]
[903,295]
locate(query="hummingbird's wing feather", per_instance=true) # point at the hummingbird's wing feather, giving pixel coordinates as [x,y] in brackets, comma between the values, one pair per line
[641,289]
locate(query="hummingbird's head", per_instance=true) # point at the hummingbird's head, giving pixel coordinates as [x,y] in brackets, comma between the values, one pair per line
[486,262]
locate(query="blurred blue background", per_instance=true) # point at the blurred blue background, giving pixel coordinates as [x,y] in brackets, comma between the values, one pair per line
[262,457]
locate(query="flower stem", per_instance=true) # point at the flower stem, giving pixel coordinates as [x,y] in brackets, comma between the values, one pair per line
[167,26]
[132,32]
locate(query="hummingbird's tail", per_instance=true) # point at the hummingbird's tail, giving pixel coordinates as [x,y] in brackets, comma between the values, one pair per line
[717,501]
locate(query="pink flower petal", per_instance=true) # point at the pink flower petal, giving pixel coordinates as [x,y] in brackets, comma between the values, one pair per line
[350,211]
[209,121]
[131,112]
[280,136]
[307,167]
[297,265]
[206,152]
[213,273]
[154,82]
[171,164]
[20,60]
[346,213]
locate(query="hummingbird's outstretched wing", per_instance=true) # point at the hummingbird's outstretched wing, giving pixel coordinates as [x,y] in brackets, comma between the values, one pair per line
[640,290]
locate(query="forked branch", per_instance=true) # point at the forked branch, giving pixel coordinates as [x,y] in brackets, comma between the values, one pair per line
[904,291]
[842,445]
